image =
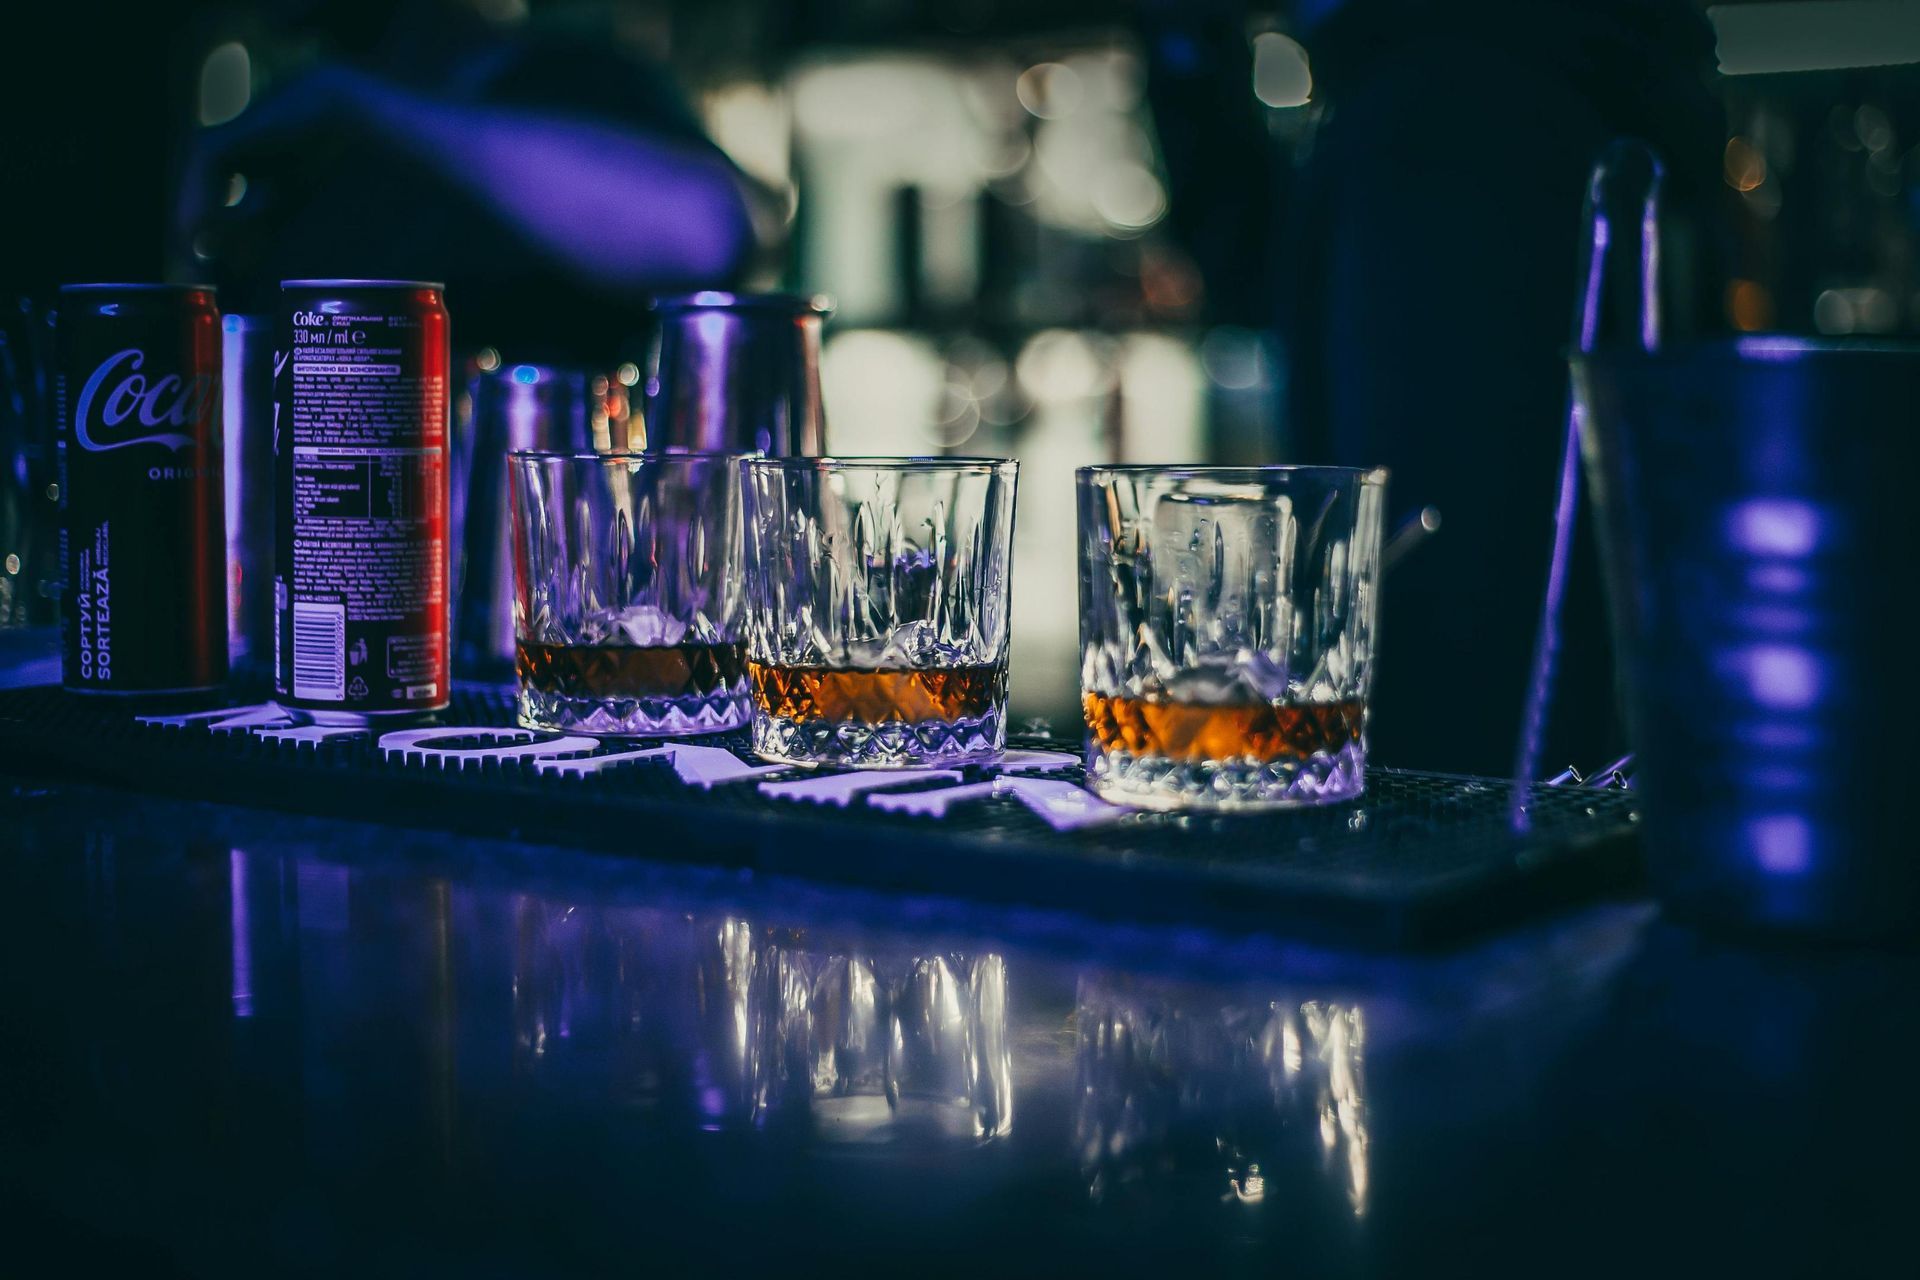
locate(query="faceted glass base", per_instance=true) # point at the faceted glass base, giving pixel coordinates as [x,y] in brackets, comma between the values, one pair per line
[649,716]
[1160,782]
[858,745]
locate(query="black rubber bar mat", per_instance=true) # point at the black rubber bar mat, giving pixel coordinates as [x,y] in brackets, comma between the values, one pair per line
[1420,859]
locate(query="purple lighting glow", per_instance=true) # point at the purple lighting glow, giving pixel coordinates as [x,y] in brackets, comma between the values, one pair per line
[1774,526]
[1779,579]
[1772,350]
[1782,843]
[626,209]
[242,986]
[1784,677]
[710,327]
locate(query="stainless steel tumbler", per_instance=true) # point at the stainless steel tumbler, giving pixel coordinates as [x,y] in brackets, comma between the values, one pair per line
[737,373]
[1757,510]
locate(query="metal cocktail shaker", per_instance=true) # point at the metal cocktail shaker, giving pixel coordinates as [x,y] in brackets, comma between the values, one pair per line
[1747,493]
[737,373]
[732,373]
[509,406]
[1756,509]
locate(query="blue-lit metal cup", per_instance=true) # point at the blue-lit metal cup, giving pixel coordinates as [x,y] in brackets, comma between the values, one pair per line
[247,385]
[1758,514]
[737,373]
[507,407]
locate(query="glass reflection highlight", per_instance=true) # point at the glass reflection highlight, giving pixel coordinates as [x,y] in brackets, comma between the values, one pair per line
[520,1020]
[1228,1096]
[748,1027]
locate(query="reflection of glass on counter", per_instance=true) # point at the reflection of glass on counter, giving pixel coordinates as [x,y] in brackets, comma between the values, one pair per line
[869,1048]
[745,1026]
[1236,1101]
[603,1002]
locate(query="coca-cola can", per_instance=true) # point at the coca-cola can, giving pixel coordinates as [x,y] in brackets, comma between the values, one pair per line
[360,379]
[142,524]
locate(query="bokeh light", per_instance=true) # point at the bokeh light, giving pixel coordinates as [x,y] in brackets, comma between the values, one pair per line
[1050,90]
[886,388]
[1281,75]
[1749,306]
[1745,167]
[226,83]
[1128,196]
[1059,365]
[1860,309]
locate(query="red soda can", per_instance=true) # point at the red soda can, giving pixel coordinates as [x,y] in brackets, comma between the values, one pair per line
[360,470]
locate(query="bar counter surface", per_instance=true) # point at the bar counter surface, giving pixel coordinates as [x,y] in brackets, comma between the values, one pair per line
[242,1042]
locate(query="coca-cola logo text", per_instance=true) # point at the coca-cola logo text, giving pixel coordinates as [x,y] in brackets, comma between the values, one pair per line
[170,401]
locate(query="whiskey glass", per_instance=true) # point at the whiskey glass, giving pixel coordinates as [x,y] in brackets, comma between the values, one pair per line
[877,609]
[627,600]
[1227,619]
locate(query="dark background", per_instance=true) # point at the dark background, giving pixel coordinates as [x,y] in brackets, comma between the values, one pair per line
[1066,230]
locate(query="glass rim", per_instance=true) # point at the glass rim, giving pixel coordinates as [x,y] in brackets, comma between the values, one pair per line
[626,455]
[1754,348]
[819,304]
[835,462]
[352,282]
[1201,471]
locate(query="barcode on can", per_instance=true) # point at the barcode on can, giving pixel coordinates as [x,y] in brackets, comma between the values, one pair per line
[320,651]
